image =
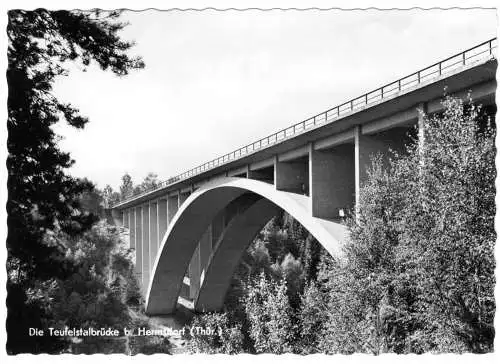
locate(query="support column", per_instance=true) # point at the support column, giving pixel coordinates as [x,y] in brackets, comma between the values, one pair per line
[153,233]
[331,177]
[365,147]
[162,220]
[138,243]
[194,273]
[126,219]
[173,206]
[131,223]
[205,247]
[183,197]
[145,247]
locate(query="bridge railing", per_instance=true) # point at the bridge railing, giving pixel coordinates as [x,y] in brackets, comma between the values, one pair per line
[425,75]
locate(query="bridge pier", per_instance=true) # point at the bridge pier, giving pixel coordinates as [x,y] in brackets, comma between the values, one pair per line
[126,218]
[131,223]
[145,246]
[173,206]
[153,234]
[138,243]
[182,197]
[331,176]
[162,219]
[205,248]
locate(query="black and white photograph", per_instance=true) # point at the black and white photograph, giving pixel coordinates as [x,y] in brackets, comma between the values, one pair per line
[250,180]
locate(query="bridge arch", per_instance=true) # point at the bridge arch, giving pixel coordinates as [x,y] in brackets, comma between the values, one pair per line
[193,218]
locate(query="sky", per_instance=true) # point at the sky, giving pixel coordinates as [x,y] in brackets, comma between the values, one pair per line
[216,81]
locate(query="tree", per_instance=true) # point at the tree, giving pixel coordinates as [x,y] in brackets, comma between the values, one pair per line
[42,197]
[92,202]
[127,186]
[150,182]
[360,284]
[109,196]
[292,271]
[224,337]
[418,274]
[269,314]
[449,227]
[313,316]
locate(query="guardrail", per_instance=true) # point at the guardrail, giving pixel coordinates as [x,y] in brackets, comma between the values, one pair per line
[450,64]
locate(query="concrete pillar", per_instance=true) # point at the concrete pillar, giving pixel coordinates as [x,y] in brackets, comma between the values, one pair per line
[194,273]
[183,197]
[205,251]
[153,233]
[173,206]
[364,147]
[138,243]
[292,176]
[131,223]
[145,246]
[162,220]
[126,218]
[331,180]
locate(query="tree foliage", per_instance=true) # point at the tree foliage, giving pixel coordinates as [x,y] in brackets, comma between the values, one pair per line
[225,338]
[419,269]
[42,197]
[269,314]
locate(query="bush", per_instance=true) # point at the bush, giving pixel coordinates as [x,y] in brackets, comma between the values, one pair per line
[269,314]
[226,338]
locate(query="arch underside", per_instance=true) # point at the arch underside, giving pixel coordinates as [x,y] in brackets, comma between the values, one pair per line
[258,203]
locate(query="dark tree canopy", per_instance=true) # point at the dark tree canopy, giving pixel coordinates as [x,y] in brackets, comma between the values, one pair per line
[42,197]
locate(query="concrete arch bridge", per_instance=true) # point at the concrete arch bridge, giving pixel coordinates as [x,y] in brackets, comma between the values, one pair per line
[190,232]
